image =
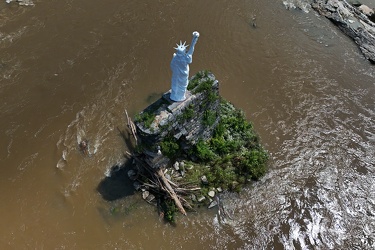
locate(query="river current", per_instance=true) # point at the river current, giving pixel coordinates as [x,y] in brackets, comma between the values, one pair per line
[69,69]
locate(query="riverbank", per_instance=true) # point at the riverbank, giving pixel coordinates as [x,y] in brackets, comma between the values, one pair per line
[355,20]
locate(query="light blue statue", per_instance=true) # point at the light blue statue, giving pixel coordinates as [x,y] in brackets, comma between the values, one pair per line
[180,69]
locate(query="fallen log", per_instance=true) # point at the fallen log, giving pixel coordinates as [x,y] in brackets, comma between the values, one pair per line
[171,191]
[131,126]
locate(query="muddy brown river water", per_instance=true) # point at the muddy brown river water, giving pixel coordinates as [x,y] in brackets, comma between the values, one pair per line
[69,69]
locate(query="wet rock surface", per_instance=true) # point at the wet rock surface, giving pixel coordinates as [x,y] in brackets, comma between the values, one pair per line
[356,22]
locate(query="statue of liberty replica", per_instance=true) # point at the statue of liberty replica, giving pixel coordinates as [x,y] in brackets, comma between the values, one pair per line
[180,69]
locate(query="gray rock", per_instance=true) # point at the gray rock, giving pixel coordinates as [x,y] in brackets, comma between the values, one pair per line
[361,30]
[366,10]
[145,194]
[219,189]
[176,166]
[193,197]
[182,173]
[150,198]
[213,204]
[182,165]
[204,180]
[201,198]
[211,194]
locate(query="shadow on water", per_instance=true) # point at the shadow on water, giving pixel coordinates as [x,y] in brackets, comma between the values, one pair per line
[154,97]
[118,184]
[129,142]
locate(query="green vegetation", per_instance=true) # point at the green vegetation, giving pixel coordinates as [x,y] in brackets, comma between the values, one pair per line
[170,211]
[188,113]
[209,117]
[170,147]
[146,118]
[232,157]
[197,79]
[203,86]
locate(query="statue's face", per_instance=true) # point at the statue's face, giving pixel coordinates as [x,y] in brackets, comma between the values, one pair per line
[181,51]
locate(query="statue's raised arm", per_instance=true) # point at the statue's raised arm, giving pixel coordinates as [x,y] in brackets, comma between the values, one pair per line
[193,42]
[180,68]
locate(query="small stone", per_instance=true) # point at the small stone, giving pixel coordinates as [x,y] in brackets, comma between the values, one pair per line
[176,166]
[193,197]
[211,193]
[182,165]
[201,198]
[204,180]
[145,194]
[219,189]
[213,204]
[182,173]
[150,198]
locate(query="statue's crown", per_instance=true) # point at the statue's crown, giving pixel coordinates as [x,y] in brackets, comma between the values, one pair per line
[181,47]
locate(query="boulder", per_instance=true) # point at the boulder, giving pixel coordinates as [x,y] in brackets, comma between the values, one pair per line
[366,10]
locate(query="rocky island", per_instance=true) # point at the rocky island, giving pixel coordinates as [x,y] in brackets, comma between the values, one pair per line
[188,152]
[190,144]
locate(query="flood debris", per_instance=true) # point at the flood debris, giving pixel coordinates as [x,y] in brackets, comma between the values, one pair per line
[84,147]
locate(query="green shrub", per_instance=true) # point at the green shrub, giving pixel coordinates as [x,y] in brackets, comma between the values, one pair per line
[234,152]
[203,151]
[209,117]
[188,113]
[146,118]
[203,86]
[170,147]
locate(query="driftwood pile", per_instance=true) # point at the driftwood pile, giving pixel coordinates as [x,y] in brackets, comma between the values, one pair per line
[150,174]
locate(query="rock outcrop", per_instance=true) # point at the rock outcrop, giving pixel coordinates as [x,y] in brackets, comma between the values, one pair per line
[184,120]
[356,22]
